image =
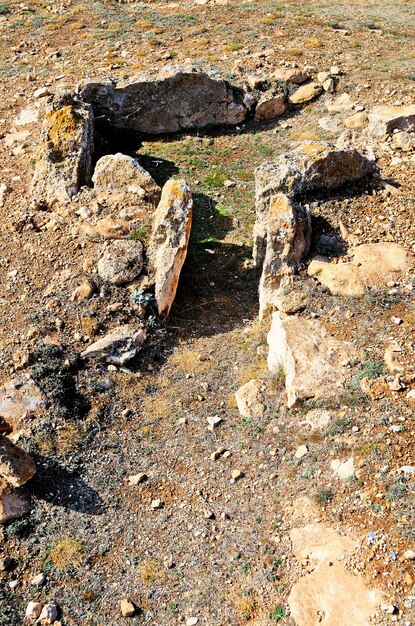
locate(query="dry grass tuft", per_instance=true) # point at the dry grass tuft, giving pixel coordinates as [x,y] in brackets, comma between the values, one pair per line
[67,553]
[189,363]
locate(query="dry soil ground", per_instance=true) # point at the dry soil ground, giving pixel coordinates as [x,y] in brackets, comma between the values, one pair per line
[216,550]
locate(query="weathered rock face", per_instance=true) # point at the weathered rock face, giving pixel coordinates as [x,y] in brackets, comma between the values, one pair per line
[372,265]
[250,399]
[63,160]
[17,397]
[329,591]
[383,120]
[121,178]
[12,506]
[118,346]
[305,93]
[122,262]
[310,167]
[183,100]
[169,240]
[313,362]
[270,106]
[288,240]
[16,466]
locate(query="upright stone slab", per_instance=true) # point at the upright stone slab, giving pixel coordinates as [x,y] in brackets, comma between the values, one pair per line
[288,240]
[309,167]
[182,100]
[63,159]
[170,237]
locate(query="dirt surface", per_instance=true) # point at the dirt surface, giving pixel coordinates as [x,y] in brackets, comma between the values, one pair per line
[217,549]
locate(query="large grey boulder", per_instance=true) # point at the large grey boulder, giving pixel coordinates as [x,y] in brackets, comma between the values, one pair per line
[169,240]
[64,155]
[182,100]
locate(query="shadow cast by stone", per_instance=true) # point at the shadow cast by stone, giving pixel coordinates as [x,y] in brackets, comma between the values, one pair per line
[54,484]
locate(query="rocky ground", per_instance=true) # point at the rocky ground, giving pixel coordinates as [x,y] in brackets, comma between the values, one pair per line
[160,496]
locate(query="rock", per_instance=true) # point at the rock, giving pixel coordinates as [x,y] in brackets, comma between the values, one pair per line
[122,262]
[83,292]
[236,475]
[169,104]
[313,362]
[343,470]
[300,452]
[403,141]
[192,621]
[318,542]
[293,75]
[310,167]
[63,159]
[12,506]
[38,580]
[409,555]
[109,228]
[33,610]
[137,479]
[27,116]
[20,396]
[16,466]
[127,608]
[357,120]
[169,240]
[318,418]
[391,360]
[157,504]
[341,103]
[355,277]
[118,346]
[329,124]
[383,120]
[49,614]
[5,563]
[288,238]
[326,81]
[3,190]
[325,593]
[121,178]
[213,420]
[250,399]
[305,93]
[269,106]
[41,92]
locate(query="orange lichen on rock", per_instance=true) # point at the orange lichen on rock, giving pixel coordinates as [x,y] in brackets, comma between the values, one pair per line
[63,128]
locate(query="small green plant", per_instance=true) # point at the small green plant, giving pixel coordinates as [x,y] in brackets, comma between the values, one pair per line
[245,567]
[397,490]
[4,9]
[140,298]
[140,234]
[277,614]
[323,496]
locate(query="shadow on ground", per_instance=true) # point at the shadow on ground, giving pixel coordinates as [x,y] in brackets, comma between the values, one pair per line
[56,485]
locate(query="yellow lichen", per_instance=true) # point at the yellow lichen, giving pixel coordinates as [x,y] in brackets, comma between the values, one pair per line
[62,128]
